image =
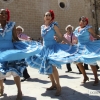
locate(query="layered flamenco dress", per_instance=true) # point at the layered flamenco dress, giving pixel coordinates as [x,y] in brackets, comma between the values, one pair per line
[13,54]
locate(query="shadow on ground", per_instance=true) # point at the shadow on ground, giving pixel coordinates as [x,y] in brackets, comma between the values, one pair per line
[67,94]
[37,80]
[5,97]
[89,85]
[11,82]
[68,77]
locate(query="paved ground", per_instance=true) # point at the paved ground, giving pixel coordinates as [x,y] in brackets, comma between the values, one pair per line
[35,88]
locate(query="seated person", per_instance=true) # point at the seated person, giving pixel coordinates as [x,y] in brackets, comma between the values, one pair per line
[21,36]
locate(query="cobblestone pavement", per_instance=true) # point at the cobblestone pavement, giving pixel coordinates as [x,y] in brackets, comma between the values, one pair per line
[35,87]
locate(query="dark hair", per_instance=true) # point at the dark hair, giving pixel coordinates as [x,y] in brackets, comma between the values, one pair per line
[52,14]
[85,18]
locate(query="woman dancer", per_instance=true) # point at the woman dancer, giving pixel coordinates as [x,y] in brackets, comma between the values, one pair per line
[87,51]
[84,30]
[11,58]
[50,47]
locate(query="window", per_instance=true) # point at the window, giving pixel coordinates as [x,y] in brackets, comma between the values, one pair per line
[62,4]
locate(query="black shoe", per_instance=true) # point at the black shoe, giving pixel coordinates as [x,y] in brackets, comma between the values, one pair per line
[79,73]
[97,67]
[24,79]
[4,79]
[86,69]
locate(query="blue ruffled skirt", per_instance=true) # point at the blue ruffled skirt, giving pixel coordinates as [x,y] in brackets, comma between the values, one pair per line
[14,59]
[58,54]
[50,56]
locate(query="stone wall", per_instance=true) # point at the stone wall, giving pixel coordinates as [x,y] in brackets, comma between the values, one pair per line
[29,13]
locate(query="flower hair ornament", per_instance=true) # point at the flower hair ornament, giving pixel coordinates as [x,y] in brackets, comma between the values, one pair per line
[8,13]
[52,14]
[87,20]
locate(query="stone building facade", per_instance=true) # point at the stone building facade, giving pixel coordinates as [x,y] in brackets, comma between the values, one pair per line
[29,13]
